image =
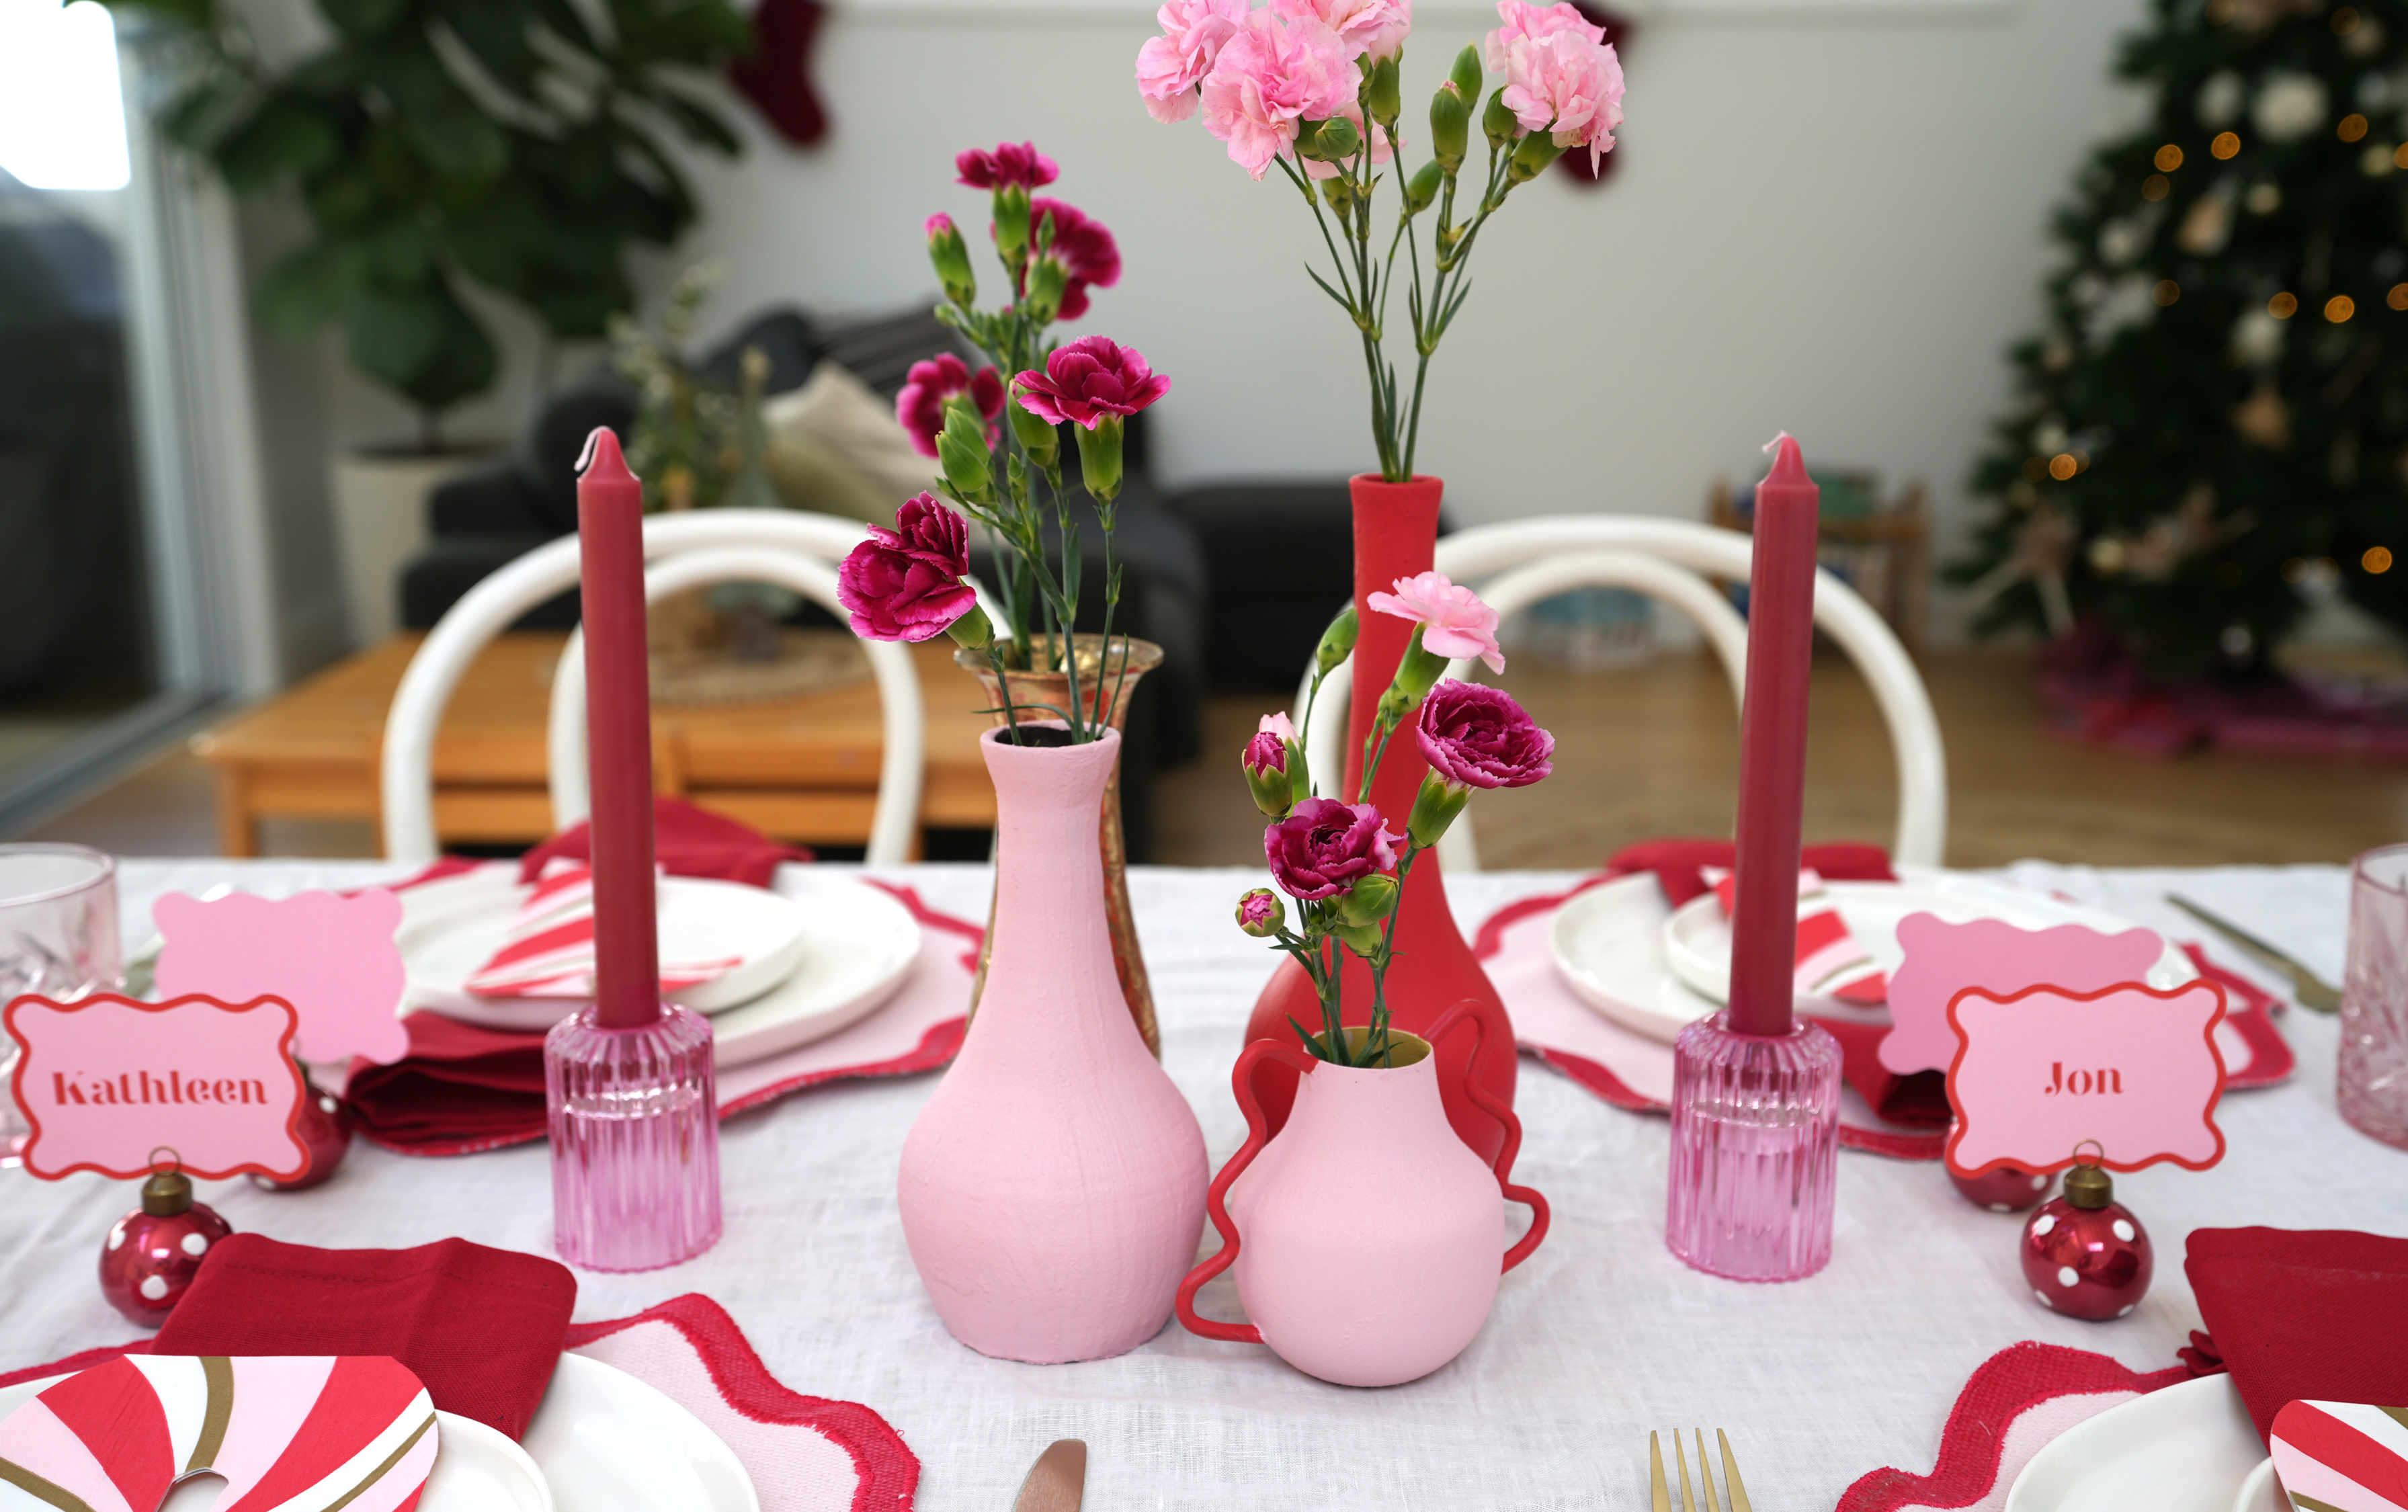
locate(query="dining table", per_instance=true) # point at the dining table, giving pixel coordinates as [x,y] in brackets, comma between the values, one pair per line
[1600,1338]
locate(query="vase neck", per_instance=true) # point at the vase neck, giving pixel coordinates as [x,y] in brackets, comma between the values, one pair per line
[1049,801]
[1390,1107]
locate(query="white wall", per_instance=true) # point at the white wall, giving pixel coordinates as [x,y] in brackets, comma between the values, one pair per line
[1827,220]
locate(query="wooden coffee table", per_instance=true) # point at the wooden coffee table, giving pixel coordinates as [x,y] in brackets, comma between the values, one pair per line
[801,769]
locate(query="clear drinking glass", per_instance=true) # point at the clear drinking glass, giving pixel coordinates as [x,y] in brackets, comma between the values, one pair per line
[58,938]
[2373,1077]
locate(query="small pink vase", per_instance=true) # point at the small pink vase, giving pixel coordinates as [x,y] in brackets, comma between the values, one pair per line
[1371,1233]
[1052,1188]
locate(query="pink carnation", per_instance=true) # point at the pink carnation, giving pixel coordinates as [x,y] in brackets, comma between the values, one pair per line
[1089,380]
[920,409]
[1453,621]
[905,583]
[1525,22]
[1566,85]
[1171,67]
[1370,28]
[1084,248]
[1010,163]
[1276,724]
[1270,78]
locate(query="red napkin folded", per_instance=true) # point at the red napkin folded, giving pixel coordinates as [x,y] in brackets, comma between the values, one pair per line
[686,842]
[481,1327]
[2304,1315]
[462,1087]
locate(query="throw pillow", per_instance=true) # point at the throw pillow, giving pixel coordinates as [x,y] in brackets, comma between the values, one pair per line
[809,474]
[838,412]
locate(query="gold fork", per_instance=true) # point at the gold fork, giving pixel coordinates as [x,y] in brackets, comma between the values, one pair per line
[1731,1484]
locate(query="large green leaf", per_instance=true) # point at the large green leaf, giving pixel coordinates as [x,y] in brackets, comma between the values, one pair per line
[497,37]
[309,288]
[285,135]
[698,121]
[421,342]
[364,18]
[503,239]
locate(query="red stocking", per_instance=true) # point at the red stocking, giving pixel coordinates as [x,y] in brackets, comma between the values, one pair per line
[777,77]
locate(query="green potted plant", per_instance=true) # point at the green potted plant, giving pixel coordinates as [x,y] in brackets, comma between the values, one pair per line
[516,145]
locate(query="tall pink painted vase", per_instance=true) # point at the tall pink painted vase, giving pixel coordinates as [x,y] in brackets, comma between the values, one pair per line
[1053,1190]
[1367,1236]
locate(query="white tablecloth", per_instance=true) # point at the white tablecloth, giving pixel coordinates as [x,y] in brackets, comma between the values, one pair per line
[1600,1336]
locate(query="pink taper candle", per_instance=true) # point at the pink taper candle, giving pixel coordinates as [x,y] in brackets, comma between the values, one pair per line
[619,735]
[1772,745]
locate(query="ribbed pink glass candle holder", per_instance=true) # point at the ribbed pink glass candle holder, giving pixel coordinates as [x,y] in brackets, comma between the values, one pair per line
[1756,1141]
[635,1140]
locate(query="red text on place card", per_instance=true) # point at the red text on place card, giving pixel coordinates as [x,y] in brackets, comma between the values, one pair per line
[106,1080]
[2131,1067]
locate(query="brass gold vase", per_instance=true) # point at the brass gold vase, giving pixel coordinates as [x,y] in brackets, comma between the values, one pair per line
[1101,687]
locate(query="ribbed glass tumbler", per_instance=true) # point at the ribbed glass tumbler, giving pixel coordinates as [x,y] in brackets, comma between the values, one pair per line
[635,1140]
[2372,1076]
[1755,1139]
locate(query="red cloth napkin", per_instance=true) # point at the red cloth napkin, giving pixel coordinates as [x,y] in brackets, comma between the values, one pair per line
[686,842]
[460,1085]
[481,1327]
[2315,1315]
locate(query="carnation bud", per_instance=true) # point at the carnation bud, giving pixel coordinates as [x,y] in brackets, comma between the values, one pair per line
[1011,223]
[1362,940]
[1038,437]
[1383,102]
[1099,458]
[961,450]
[1045,286]
[1467,72]
[1369,901]
[1336,140]
[1532,157]
[1421,190]
[1338,641]
[1449,126]
[1339,192]
[1418,672]
[1265,763]
[1262,913]
[1498,121]
[977,632]
[951,259]
[1435,807]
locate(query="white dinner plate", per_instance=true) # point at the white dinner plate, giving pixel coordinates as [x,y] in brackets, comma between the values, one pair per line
[2189,1448]
[476,1469]
[841,949]
[610,1443]
[450,930]
[1696,938]
[601,1441]
[1607,949]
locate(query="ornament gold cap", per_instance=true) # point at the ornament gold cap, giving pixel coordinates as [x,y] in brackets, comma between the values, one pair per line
[2086,1186]
[169,1190]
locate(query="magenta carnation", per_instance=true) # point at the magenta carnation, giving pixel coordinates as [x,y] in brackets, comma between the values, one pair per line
[1084,248]
[905,583]
[1265,753]
[1169,67]
[1477,737]
[1326,847]
[1088,379]
[920,407]
[1010,163]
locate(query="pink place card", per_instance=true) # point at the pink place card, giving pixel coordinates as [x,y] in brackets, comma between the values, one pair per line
[332,956]
[105,1081]
[2131,1067]
[1944,959]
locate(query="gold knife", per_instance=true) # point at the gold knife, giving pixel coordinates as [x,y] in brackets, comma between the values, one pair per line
[2313,992]
[1057,1482]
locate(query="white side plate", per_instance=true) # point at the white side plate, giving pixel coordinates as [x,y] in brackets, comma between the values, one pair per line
[1697,938]
[1608,948]
[2189,1448]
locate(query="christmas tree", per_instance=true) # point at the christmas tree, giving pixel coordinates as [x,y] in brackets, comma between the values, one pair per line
[2215,413]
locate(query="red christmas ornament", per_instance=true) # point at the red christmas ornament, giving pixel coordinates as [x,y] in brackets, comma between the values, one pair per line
[153,1251]
[2085,1254]
[2009,1188]
[325,1129]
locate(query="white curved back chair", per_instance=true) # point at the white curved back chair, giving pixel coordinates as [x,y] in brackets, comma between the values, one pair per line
[484,611]
[1520,561]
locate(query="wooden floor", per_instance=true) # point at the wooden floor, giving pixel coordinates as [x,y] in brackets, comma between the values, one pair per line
[1654,751]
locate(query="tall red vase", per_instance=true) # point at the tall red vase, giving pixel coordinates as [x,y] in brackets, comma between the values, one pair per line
[1396,534]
